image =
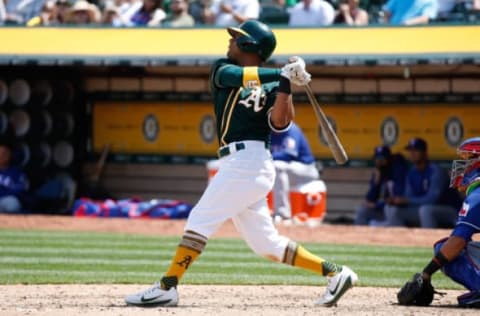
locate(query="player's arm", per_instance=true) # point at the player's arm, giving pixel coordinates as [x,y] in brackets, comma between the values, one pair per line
[449,251]
[466,226]
[282,112]
[230,75]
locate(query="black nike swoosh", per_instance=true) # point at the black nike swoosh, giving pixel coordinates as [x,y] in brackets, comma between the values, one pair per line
[143,299]
[334,290]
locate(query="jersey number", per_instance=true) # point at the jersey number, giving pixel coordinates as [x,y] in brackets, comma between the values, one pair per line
[256,99]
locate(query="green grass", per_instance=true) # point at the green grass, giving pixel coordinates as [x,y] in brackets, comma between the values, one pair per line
[36,257]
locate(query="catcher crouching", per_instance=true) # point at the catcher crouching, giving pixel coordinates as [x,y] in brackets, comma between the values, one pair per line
[457,256]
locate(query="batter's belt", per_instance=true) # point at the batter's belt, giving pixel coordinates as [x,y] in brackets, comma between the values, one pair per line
[237,146]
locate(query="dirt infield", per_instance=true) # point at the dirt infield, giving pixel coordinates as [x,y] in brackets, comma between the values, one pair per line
[93,300]
[107,300]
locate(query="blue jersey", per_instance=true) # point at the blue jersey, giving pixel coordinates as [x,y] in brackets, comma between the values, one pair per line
[430,186]
[12,182]
[468,222]
[403,10]
[392,180]
[291,145]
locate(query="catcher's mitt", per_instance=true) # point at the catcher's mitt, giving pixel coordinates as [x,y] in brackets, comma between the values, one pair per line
[418,292]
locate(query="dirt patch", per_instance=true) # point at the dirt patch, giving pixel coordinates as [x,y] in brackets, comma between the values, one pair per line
[322,234]
[93,300]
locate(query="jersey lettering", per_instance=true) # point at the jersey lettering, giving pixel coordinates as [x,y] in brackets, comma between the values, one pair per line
[256,98]
[464,210]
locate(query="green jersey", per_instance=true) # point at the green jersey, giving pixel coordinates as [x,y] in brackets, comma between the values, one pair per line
[243,98]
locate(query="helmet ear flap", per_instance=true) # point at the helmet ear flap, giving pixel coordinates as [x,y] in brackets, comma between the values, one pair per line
[247,45]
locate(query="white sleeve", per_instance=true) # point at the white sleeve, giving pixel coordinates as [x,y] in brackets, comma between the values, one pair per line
[251,9]
[328,14]
[293,15]
[158,16]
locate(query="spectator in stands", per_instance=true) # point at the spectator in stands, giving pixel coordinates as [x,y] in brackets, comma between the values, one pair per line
[179,16]
[48,15]
[428,200]
[3,12]
[387,180]
[351,14]
[200,11]
[62,11]
[149,14]
[410,12]
[13,182]
[311,13]
[120,11]
[232,12]
[110,14]
[20,11]
[84,13]
[294,165]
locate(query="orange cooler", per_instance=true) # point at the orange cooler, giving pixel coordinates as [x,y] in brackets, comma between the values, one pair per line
[309,201]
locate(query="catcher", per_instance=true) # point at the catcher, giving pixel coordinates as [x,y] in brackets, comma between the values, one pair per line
[457,256]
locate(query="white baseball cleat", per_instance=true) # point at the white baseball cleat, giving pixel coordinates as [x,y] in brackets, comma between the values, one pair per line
[337,286]
[154,296]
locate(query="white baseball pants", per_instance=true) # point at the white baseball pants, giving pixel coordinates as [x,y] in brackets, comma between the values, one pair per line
[239,191]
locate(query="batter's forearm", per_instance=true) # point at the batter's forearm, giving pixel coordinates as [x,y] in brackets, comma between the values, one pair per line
[236,76]
[283,111]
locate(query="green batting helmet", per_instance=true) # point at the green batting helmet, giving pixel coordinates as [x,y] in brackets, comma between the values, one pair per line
[255,37]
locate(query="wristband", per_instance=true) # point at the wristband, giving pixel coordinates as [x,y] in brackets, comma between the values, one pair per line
[437,262]
[284,85]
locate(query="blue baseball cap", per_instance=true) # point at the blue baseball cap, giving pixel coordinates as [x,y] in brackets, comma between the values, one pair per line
[417,144]
[382,152]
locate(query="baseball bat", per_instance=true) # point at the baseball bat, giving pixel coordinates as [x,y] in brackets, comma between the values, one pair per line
[334,144]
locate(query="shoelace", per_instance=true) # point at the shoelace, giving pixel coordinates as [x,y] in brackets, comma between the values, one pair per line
[155,286]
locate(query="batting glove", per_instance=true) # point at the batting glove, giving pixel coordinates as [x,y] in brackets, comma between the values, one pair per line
[295,71]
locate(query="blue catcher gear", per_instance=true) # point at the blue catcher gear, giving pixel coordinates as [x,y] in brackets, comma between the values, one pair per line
[254,37]
[466,171]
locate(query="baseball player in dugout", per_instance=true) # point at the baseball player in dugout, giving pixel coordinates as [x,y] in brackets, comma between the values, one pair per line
[249,102]
[428,201]
[294,165]
[457,256]
[387,179]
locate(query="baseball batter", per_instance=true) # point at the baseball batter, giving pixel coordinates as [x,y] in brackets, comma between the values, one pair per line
[249,101]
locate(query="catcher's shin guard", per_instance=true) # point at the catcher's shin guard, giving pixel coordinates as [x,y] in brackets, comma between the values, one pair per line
[469,300]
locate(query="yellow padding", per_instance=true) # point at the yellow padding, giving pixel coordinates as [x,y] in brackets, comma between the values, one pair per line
[250,77]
